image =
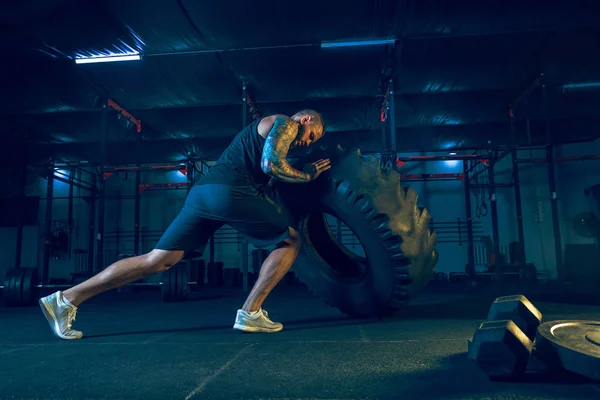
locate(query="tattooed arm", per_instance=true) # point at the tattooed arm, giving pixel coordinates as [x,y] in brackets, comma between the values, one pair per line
[277,144]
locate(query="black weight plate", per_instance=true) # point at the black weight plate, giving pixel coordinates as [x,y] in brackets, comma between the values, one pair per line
[173,283]
[29,286]
[19,287]
[575,345]
[7,283]
[13,296]
[10,281]
[166,285]
[182,278]
[177,275]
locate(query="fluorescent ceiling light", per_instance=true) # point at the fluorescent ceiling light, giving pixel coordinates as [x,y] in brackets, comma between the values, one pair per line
[96,59]
[581,85]
[452,153]
[357,43]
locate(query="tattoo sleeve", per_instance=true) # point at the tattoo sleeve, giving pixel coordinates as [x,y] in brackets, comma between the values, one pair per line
[277,145]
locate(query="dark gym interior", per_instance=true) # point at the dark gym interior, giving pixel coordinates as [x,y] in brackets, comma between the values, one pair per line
[451,251]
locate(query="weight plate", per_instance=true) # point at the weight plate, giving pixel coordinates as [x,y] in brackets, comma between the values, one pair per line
[29,286]
[9,293]
[173,280]
[182,282]
[19,287]
[166,286]
[178,276]
[12,295]
[575,345]
[7,283]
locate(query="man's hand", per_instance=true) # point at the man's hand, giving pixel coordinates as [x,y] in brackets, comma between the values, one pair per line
[314,169]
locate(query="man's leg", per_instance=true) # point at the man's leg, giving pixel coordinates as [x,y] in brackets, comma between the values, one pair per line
[277,264]
[60,308]
[189,231]
[256,216]
[123,272]
[251,317]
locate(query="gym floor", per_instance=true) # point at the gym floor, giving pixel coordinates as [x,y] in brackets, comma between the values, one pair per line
[136,347]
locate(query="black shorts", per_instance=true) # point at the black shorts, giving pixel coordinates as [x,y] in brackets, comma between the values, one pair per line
[208,207]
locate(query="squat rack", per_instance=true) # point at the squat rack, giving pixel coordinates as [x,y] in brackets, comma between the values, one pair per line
[489,159]
[103,171]
[97,189]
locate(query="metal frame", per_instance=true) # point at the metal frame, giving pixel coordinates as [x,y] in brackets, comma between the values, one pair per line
[489,160]
[48,224]
[98,189]
[244,248]
[388,127]
[540,82]
[70,213]
[102,190]
[92,239]
[49,198]
[470,267]
[494,216]
[138,198]
[22,192]
[560,269]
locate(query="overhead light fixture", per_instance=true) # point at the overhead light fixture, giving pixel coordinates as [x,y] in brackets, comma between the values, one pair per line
[581,85]
[356,43]
[100,59]
[452,154]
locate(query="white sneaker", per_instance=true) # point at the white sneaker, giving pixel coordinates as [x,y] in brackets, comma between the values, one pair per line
[257,321]
[60,313]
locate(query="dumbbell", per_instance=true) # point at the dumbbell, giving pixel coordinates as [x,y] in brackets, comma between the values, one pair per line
[502,346]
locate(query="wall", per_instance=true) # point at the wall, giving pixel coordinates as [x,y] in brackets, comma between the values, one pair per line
[32,251]
[445,201]
[536,214]
[573,178]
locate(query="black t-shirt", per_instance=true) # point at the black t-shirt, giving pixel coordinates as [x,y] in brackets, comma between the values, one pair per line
[239,165]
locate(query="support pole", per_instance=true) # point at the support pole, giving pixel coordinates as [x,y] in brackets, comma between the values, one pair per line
[244,249]
[102,191]
[521,257]
[392,120]
[388,154]
[494,213]
[22,189]
[92,238]
[470,269]
[189,167]
[211,250]
[70,217]
[136,213]
[517,182]
[48,225]
[561,273]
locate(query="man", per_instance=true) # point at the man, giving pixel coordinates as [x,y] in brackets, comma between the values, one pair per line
[230,193]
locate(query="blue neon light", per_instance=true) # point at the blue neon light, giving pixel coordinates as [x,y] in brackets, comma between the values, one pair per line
[358,43]
[581,85]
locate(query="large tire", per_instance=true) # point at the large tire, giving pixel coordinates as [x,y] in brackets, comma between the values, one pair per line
[392,229]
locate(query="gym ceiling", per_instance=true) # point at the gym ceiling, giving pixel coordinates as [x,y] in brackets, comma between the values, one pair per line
[456,67]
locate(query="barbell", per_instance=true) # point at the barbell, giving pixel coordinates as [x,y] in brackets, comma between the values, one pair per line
[21,286]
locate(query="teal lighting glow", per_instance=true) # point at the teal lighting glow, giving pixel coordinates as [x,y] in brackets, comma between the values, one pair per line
[356,43]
